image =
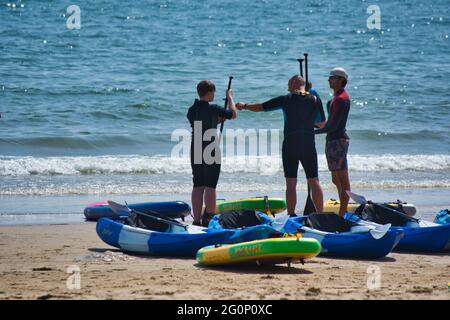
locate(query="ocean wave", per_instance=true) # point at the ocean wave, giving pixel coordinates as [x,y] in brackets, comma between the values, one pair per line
[162,165]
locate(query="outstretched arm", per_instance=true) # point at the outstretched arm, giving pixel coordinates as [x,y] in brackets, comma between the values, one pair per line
[256,107]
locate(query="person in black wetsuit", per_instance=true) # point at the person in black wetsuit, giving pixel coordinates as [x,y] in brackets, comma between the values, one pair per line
[205,152]
[300,110]
[337,141]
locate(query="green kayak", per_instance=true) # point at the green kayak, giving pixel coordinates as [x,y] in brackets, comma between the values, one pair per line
[262,204]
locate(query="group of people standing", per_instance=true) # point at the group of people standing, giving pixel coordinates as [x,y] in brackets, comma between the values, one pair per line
[304,117]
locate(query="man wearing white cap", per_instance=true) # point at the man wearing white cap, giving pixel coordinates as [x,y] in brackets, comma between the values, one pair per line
[337,140]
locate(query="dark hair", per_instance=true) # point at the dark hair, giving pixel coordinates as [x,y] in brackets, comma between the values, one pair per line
[344,82]
[204,87]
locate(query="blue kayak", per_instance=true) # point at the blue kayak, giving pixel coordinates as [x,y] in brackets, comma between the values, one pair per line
[173,242]
[351,242]
[170,209]
[420,235]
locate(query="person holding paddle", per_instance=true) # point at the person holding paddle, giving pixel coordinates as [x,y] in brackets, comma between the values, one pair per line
[205,152]
[300,109]
[337,140]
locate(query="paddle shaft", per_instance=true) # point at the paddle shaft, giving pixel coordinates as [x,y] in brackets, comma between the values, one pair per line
[117,208]
[300,61]
[154,217]
[226,102]
[309,205]
[306,69]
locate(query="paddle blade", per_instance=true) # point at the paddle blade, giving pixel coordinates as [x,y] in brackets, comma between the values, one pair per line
[280,221]
[356,197]
[380,231]
[118,208]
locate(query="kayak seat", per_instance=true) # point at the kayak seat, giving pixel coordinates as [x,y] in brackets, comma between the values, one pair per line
[383,214]
[140,221]
[239,219]
[329,222]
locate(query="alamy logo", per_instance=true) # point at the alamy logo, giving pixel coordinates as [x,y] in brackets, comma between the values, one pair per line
[74,280]
[248,144]
[374,278]
[374,20]
[74,20]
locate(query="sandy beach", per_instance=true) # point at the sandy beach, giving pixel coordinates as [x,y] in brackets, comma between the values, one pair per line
[44,262]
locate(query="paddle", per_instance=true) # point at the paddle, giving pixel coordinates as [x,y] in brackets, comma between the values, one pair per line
[300,61]
[226,103]
[125,210]
[279,221]
[362,200]
[309,205]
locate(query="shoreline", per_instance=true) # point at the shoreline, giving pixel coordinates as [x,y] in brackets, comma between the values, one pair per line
[63,209]
[34,264]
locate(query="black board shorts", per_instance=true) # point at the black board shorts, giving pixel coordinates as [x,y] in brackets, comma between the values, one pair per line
[205,175]
[306,155]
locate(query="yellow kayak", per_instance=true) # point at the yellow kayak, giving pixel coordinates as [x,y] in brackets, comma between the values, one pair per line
[332,205]
[272,250]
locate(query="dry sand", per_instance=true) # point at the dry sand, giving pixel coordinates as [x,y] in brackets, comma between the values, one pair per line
[34,261]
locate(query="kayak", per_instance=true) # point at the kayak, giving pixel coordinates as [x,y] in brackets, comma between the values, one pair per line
[333,205]
[262,204]
[341,239]
[170,209]
[419,235]
[173,242]
[275,250]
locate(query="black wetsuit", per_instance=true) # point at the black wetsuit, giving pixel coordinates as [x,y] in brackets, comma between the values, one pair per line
[300,112]
[205,173]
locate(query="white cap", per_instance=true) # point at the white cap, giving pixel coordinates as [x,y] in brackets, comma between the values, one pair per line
[340,72]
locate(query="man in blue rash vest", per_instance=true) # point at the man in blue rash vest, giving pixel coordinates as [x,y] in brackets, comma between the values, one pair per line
[337,140]
[300,109]
[204,118]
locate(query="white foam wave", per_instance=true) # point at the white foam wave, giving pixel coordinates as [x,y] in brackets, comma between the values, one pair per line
[185,187]
[161,165]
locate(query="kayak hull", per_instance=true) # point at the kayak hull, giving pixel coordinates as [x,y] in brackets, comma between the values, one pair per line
[347,244]
[425,239]
[170,209]
[143,241]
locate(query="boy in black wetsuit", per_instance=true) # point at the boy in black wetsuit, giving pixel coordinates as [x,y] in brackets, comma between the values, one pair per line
[205,151]
[337,140]
[300,110]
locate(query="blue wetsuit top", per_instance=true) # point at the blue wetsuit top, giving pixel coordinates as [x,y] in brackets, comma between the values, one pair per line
[320,117]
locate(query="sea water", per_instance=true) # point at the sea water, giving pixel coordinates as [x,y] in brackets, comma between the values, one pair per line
[89,112]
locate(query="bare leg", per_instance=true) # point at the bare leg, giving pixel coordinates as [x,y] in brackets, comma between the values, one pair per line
[336,182]
[210,200]
[197,202]
[291,195]
[344,182]
[316,193]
